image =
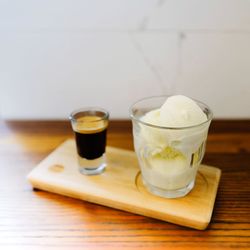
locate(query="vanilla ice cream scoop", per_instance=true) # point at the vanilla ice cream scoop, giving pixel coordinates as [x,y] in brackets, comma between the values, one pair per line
[177,112]
[181,111]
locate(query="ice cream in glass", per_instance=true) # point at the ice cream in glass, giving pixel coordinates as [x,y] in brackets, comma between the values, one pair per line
[170,135]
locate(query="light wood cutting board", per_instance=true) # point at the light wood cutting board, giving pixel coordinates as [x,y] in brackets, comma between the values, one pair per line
[121,187]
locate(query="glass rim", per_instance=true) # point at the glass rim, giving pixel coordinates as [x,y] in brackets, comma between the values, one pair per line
[90,109]
[133,118]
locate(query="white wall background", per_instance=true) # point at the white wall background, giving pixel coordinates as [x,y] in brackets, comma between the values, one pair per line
[59,55]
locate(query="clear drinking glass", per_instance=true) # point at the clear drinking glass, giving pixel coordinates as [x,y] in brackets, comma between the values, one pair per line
[169,157]
[90,127]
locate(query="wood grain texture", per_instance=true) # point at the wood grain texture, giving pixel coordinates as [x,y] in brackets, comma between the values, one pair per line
[41,220]
[121,187]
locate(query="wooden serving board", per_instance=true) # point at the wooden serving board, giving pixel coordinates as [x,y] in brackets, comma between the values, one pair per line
[121,187]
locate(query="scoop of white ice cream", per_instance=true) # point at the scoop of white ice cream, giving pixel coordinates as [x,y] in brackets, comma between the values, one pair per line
[177,111]
[181,111]
[157,137]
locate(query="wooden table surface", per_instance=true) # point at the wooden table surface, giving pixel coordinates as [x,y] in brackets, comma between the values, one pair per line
[39,220]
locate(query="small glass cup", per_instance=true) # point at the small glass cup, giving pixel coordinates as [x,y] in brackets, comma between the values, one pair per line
[90,127]
[169,157]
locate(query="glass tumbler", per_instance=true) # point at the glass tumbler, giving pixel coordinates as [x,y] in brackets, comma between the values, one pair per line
[169,157]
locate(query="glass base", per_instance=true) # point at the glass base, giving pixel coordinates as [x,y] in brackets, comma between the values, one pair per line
[176,193]
[92,167]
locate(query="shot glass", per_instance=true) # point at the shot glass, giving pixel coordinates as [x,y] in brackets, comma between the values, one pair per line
[169,157]
[90,128]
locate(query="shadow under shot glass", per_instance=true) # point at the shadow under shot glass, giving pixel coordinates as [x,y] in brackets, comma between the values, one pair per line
[90,127]
[169,157]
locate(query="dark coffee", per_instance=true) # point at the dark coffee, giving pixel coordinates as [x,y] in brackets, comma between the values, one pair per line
[91,146]
[90,134]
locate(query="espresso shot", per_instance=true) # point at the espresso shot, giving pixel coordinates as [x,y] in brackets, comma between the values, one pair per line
[91,138]
[90,128]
